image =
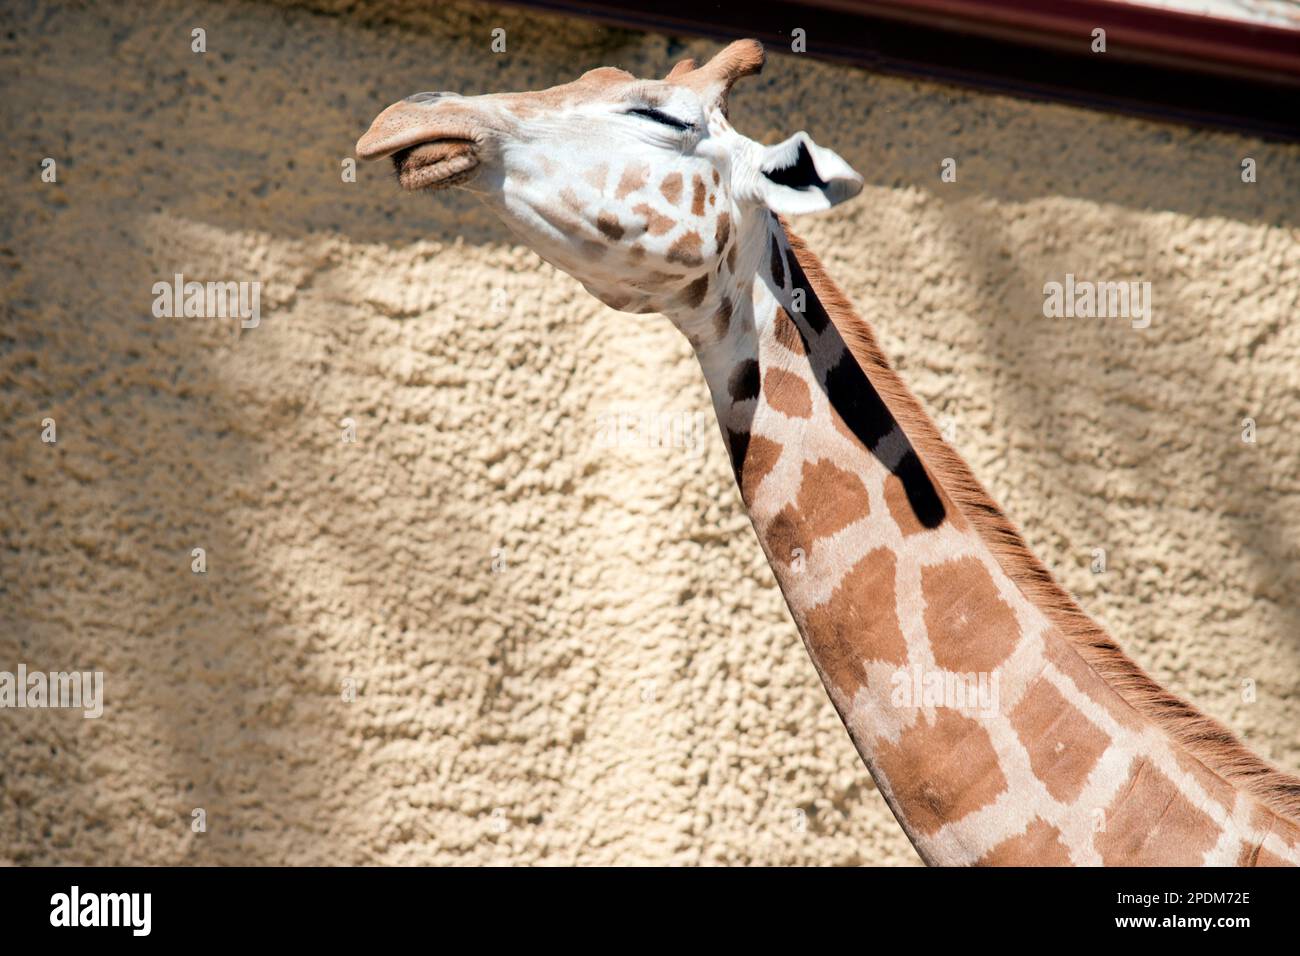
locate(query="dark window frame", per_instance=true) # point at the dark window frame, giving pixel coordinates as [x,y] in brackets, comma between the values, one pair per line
[1159,63]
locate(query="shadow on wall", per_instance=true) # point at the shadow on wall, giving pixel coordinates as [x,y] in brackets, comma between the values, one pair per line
[1125,451]
[277,173]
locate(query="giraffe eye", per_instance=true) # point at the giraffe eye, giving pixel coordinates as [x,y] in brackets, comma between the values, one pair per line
[659,116]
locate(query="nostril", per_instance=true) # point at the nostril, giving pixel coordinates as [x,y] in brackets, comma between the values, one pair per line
[425,97]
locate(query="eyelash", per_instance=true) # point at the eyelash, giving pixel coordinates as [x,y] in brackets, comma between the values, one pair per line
[660,117]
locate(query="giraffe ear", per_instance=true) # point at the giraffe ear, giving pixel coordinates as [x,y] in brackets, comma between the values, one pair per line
[799,176]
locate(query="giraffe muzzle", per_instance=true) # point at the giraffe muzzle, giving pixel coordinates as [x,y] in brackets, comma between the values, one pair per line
[436,165]
[430,149]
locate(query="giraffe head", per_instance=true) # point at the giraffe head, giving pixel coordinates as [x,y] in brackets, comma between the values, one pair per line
[636,187]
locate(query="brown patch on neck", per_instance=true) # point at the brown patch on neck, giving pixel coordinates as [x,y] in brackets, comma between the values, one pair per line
[969,626]
[694,293]
[722,319]
[840,637]
[788,334]
[722,232]
[1063,745]
[608,224]
[687,250]
[1039,845]
[942,768]
[787,393]
[1205,739]
[829,500]
[1150,823]
[752,458]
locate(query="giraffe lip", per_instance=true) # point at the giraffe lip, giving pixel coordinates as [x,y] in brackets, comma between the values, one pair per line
[436,164]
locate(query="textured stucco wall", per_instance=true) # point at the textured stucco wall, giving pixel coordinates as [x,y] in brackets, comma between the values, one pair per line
[629,688]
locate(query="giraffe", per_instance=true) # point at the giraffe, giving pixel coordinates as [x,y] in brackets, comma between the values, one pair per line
[1001,725]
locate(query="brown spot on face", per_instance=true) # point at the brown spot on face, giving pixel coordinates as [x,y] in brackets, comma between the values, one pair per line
[716,178]
[671,188]
[607,223]
[633,178]
[787,393]
[1151,824]
[722,231]
[942,770]
[686,250]
[757,457]
[722,318]
[731,259]
[570,199]
[1063,745]
[788,334]
[596,177]
[829,500]
[778,264]
[697,200]
[694,293]
[713,200]
[655,223]
[1039,845]
[970,627]
[858,623]
[743,384]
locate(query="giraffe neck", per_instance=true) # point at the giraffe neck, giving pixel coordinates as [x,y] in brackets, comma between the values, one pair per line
[989,736]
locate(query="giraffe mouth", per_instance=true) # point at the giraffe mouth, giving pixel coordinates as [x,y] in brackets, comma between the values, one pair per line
[436,164]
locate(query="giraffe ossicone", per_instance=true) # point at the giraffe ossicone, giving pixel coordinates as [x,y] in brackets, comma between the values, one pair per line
[999,723]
